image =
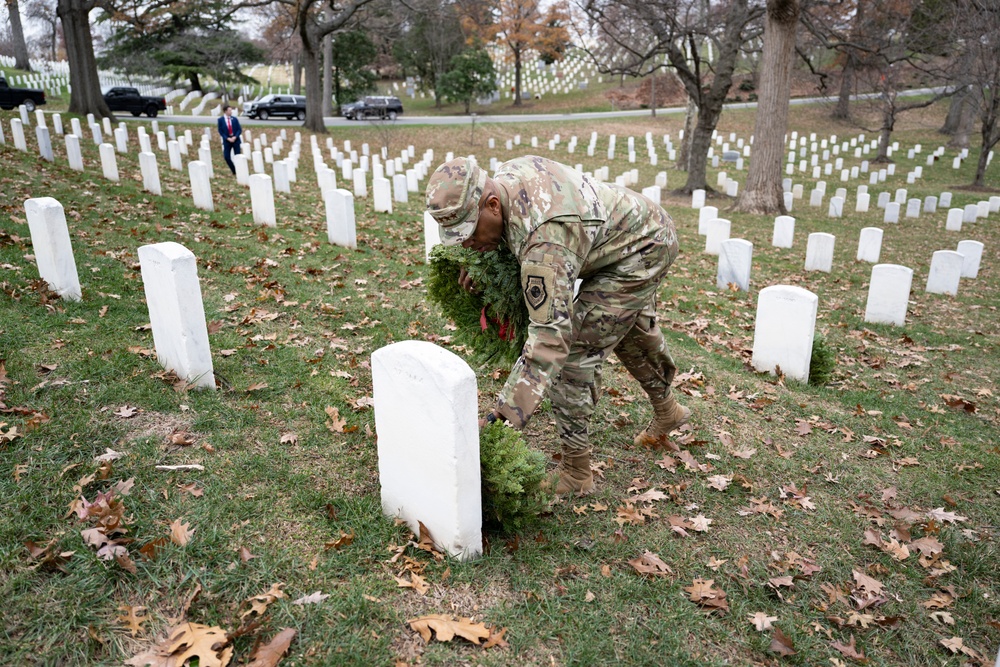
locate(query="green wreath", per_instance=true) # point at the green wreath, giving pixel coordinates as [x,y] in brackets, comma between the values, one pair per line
[493,323]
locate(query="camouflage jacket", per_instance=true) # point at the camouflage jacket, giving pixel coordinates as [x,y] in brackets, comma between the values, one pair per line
[564,226]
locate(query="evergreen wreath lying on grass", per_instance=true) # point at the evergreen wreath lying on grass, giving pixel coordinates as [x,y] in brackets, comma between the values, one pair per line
[494,321]
[514,485]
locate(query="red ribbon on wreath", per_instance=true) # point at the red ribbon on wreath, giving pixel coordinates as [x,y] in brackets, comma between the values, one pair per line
[506,331]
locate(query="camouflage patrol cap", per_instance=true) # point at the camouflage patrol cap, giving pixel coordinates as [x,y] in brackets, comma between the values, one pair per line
[453,194]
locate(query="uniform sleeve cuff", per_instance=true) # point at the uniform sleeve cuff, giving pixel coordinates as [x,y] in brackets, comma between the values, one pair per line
[511,415]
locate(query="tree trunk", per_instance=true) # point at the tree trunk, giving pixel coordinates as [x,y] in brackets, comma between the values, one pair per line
[194,81]
[328,75]
[990,111]
[966,119]
[843,109]
[701,139]
[763,193]
[652,95]
[86,96]
[17,35]
[684,145]
[314,105]
[955,109]
[517,77]
[297,76]
[885,134]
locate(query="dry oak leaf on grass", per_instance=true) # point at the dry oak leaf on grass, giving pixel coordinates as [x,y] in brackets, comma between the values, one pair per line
[849,650]
[186,641]
[702,593]
[271,653]
[180,533]
[260,603]
[781,643]
[445,627]
[335,423]
[132,618]
[650,565]
[761,621]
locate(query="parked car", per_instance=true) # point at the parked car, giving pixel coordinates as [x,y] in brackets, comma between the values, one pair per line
[122,98]
[373,106]
[290,106]
[12,97]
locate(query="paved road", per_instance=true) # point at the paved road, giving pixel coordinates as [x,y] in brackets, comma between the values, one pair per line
[506,118]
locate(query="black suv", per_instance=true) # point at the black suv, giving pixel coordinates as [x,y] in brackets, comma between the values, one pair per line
[129,99]
[373,107]
[290,106]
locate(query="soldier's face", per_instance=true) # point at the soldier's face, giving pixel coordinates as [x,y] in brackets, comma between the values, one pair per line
[489,228]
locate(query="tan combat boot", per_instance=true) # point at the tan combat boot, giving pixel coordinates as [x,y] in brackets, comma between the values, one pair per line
[668,415]
[575,475]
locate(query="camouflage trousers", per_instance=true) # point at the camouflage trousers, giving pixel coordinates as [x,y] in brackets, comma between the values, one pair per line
[600,328]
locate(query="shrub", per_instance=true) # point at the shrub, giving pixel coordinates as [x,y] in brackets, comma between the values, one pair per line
[514,482]
[822,362]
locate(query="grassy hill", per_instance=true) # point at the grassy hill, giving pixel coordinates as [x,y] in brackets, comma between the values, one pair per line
[811,491]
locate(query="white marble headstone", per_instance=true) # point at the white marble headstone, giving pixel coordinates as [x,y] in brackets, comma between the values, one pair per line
[428,443]
[176,312]
[735,259]
[52,247]
[784,330]
[870,245]
[819,252]
[972,253]
[888,294]
[945,272]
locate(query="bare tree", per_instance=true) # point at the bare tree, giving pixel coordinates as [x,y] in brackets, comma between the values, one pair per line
[978,28]
[44,12]
[763,193]
[86,96]
[679,29]
[17,33]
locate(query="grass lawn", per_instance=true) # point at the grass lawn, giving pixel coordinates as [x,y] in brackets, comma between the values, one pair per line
[858,518]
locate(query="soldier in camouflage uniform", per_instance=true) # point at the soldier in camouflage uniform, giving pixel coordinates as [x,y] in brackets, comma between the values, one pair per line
[563,226]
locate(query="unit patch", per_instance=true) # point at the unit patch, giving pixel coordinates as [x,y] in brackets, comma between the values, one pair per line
[538,286]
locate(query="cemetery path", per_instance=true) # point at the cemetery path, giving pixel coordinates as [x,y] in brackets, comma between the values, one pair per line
[511,118]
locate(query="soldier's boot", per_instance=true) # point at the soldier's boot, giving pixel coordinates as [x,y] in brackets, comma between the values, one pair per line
[575,475]
[668,415]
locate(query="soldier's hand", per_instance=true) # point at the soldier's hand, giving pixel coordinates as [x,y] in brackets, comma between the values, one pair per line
[465,281]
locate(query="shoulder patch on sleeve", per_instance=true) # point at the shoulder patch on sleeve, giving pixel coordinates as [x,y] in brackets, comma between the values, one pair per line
[538,283]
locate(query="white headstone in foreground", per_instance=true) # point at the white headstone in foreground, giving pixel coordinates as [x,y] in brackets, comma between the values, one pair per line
[944,201]
[735,259]
[44,143]
[176,313]
[836,209]
[428,443]
[705,214]
[242,168]
[971,212]
[150,172]
[861,206]
[432,235]
[972,252]
[201,186]
[716,231]
[888,294]
[870,245]
[281,180]
[52,247]
[784,330]
[109,162]
[382,194]
[784,231]
[945,273]
[73,153]
[697,199]
[891,212]
[262,200]
[954,222]
[819,252]
[340,223]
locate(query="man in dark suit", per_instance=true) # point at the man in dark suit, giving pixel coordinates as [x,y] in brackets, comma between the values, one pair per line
[230,130]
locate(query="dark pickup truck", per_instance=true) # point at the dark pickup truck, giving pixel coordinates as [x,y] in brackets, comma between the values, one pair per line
[12,97]
[129,99]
